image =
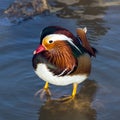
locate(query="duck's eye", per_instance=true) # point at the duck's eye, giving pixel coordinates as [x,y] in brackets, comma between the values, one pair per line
[50,41]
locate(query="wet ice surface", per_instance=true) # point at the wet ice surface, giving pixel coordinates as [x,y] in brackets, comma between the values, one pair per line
[19,83]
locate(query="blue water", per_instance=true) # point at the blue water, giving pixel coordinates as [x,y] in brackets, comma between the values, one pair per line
[18,82]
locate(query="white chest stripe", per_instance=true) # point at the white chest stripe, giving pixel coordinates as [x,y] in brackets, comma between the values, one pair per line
[62,72]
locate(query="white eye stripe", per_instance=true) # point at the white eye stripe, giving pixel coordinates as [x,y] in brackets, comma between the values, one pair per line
[56,37]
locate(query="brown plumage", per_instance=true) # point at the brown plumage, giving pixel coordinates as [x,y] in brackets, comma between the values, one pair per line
[84,65]
[62,57]
[82,34]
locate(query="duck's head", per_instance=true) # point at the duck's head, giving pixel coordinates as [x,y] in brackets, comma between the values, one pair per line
[54,37]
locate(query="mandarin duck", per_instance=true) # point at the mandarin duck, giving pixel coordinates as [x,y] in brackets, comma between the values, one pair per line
[62,58]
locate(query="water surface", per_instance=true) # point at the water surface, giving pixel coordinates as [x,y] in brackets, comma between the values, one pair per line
[18,82]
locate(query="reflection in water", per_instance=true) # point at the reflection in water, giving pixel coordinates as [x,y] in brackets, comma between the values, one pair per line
[78,109]
[89,14]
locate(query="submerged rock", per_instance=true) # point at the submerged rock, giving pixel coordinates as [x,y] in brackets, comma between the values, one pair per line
[26,8]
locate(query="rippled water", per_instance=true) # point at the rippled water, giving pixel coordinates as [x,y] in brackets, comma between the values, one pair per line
[18,82]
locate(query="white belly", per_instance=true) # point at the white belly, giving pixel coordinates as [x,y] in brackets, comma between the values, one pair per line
[48,76]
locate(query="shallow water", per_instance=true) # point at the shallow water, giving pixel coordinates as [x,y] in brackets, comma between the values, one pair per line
[18,82]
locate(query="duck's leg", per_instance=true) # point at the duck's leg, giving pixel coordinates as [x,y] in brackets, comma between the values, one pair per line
[46,88]
[69,98]
[75,85]
[44,91]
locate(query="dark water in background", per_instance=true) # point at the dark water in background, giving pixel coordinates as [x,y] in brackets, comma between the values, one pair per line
[18,82]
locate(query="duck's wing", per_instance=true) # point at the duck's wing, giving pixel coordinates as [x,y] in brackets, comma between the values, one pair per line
[81,33]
